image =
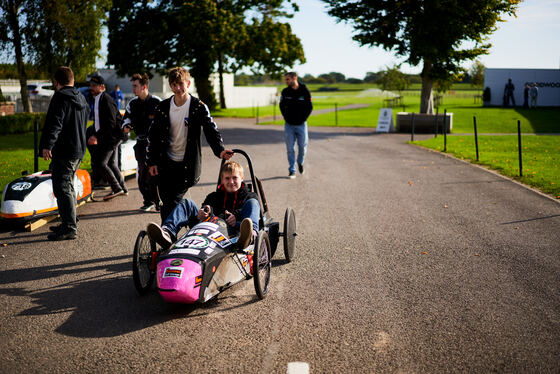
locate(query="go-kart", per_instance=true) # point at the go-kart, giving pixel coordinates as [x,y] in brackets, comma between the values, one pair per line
[205,261]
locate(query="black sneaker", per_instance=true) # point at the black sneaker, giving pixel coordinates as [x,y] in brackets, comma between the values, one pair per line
[245,233]
[159,235]
[300,168]
[111,195]
[56,228]
[292,175]
[148,207]
[62,235]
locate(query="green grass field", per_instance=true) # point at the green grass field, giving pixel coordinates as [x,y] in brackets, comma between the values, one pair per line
[540,156]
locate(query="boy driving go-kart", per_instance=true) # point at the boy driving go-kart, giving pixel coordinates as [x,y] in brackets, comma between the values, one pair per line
[232,201]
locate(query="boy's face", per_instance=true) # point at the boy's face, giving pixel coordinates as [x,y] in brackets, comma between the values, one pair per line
[138,88]
[179,88]
[232,181]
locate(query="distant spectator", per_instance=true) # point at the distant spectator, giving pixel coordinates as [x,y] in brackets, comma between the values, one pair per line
[534,95]
[508,93]
[117,96]
[526,96]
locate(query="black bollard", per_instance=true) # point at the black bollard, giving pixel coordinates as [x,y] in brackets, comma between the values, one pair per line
[445,130]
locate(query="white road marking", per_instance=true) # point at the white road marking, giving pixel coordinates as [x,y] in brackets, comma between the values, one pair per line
[298,368]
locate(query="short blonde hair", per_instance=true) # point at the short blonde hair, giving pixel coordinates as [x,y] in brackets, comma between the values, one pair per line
[178,74]
[231,167]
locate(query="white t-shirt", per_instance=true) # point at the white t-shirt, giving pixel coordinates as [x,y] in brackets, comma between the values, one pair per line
[178,116]
[96,112]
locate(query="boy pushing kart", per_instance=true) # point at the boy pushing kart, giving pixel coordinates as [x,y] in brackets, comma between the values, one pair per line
[232,200]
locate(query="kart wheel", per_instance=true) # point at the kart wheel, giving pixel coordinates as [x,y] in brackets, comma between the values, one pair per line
[289,234]
[142,272]
[262,265]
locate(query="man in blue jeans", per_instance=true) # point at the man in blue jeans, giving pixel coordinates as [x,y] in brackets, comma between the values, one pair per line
[232,200]
[296,106]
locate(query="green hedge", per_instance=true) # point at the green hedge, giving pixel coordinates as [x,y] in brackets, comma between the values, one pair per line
[20,123]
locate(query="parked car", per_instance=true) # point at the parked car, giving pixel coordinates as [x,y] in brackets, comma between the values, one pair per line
[40,89]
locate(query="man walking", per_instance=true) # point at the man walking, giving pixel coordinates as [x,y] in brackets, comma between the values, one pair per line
[296,106]
[174,141]
[138,116]
[63,141]
[108,136]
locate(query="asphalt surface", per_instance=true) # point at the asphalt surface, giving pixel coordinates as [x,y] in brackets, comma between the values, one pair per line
[407,261]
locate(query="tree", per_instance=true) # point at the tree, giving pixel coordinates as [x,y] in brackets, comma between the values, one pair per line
[50,33]
[440,34]
[476,74]
[202,34]
[393,79]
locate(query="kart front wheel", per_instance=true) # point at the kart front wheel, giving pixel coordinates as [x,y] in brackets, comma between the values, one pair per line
[289,234]
[142,269]
[262,264]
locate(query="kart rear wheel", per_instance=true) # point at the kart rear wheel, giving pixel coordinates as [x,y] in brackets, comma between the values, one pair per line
[262,264]
[142,272]
[289,234]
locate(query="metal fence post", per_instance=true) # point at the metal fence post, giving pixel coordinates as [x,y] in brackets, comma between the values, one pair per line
[519,146]
[475,137]
[445,130]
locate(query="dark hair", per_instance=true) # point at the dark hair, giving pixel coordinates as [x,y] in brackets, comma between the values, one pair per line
[143,78]
[291,74]
[64,75]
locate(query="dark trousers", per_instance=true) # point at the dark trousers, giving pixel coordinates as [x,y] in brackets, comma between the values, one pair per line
[172,186]
[93,150]
[147,184]
[108,167]
[63,172]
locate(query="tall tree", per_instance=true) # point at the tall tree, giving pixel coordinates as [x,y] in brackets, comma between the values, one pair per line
[203,35]
[440,34]
[476,74]
[50,33]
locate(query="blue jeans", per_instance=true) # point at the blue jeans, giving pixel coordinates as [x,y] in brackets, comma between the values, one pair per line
[186,213]
[291,134]
[63,172]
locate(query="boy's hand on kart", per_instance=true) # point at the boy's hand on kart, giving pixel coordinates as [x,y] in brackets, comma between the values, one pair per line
[230,219]
[203,213]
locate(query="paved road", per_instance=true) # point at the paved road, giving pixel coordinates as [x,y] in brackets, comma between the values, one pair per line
[407,261]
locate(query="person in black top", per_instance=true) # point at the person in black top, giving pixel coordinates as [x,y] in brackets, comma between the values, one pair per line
[108,136]
[508,93]
[232,200]
[138,116]
[296,106]
[174,141]
[63,141]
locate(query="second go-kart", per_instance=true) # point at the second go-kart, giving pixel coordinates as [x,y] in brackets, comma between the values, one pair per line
[205,261]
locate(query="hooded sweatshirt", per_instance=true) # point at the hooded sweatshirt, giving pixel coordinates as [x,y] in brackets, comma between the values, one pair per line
[64,132]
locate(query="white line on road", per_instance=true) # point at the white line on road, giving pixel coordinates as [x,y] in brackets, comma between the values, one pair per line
[298,368]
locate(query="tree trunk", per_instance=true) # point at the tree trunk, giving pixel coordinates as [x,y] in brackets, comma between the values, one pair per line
[221,74]
[426,97]
[14,25]
[201,71]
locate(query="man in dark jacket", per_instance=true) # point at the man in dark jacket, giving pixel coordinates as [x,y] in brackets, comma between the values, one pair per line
[232,201]
[174,141]
[296,106]
[108,136]
[64,142]
[138,116]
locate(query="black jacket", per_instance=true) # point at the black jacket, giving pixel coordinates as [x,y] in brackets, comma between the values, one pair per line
[199,120]
[110,120]
[220,201]
[139,115]
[296,105]
[64,132]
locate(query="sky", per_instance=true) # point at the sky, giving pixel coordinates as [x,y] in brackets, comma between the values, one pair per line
[530,40]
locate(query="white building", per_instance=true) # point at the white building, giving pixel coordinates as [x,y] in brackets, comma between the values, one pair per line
[547,80]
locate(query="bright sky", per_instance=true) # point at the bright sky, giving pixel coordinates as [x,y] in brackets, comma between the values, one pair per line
[530,40]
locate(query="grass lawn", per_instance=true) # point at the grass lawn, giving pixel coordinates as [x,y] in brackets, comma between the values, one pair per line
[16,155]
[540,156]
